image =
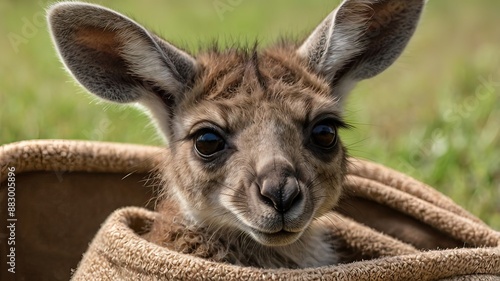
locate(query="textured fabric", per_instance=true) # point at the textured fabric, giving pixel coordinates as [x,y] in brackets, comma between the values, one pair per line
[396,227]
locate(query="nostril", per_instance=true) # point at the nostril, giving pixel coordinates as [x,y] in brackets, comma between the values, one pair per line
[268,201]
[280,194]
[290,193]
[270,193]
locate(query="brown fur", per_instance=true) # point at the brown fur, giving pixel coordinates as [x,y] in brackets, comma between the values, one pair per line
[262,198]
[241,91]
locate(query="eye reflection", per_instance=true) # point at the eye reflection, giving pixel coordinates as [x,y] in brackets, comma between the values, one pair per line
[207,143]
[324,135]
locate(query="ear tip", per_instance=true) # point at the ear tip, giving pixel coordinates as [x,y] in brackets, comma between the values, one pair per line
[64,16]
[60,9]
[65,7]
[54,10]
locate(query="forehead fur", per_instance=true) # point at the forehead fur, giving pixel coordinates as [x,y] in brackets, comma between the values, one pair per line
[274,80]
[225,72]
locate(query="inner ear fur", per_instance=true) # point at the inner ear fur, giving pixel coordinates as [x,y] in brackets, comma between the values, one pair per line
[118,60]
[390,26]
[360,39]
[114,57]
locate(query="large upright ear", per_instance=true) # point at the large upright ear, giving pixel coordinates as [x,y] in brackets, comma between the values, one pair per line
[118,60]
[360,39]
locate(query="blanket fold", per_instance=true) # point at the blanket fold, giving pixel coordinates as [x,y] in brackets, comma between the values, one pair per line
[132,257]
[395,227]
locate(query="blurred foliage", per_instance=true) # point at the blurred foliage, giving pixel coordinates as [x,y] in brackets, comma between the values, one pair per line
[434,115]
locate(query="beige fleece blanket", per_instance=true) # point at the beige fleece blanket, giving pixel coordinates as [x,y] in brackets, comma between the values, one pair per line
[72,193]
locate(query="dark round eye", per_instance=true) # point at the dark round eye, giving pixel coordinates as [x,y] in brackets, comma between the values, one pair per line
[207,143]
[324,135]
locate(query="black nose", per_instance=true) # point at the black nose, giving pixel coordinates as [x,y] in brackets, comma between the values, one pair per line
[280,191]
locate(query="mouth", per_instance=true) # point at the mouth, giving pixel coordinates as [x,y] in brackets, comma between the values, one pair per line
[280,238]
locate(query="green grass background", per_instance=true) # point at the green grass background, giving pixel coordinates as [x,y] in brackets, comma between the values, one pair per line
[434,114]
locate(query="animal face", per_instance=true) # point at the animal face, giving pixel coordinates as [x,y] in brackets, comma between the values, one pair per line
[256,145]
[253,134]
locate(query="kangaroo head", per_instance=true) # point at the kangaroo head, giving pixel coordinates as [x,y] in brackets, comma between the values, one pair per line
[252,134]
